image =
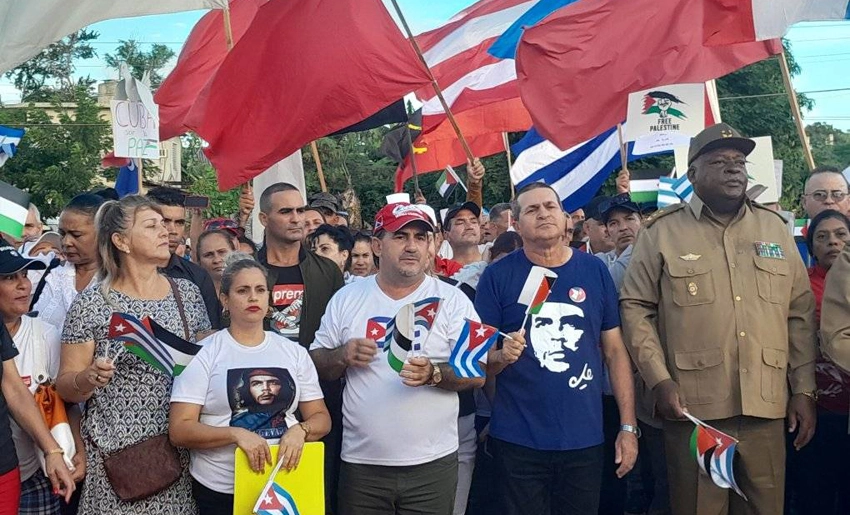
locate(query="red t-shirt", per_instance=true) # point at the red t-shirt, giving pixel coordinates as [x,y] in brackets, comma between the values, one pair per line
[833,384]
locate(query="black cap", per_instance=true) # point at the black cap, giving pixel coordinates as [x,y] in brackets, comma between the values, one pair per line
[452,212]
[623,202]
[325,200]
[719,136]
[11,261]
[592,209]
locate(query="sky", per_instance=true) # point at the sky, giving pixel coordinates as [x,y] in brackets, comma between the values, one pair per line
[822,49]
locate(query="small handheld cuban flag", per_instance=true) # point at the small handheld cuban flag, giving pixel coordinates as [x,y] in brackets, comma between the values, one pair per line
[424,313]
[379,329]
[474,341]
[276,501]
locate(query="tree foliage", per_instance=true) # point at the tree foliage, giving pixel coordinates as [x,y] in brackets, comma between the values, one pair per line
[49,76]
[141,61]
[56,161]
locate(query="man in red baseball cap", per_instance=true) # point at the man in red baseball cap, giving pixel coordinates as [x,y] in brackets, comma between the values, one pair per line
[410,387]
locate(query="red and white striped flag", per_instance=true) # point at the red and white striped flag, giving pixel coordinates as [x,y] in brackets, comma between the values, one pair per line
[457,55]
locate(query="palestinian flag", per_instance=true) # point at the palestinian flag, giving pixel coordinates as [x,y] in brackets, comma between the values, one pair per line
[801,226]
[152,343]
[401,340]
[446,183]
[714,451]
[644,191]
[14,206]
[536,290]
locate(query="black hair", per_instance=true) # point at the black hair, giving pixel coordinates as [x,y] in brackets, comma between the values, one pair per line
[235,263]
[247,241]
[826,169]
[497,210]
[506,243]
[813,227]
[166,196]
[266,196]
[86,204]
[364,236]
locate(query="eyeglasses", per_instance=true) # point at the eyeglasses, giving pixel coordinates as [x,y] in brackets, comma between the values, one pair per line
[822,195]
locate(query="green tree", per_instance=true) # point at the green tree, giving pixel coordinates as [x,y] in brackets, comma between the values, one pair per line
[140,61]
[754,101]
[830,146]
[49,76]
[57,160]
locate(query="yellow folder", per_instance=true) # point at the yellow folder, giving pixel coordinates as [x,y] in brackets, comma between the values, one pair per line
[306,484]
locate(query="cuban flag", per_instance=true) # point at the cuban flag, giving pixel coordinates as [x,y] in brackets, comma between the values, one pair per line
[10,138]
[379,329]
[277,501]
[576,173]
[474,341]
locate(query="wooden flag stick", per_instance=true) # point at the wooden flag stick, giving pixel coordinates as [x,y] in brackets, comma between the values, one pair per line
[436,86]
[510,164]
[315,149]
[412,154]
[624,150]
[141,176]
[228,29]
[795,111]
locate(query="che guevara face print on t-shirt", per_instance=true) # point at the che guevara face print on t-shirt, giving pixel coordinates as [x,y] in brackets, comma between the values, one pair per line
[260,398]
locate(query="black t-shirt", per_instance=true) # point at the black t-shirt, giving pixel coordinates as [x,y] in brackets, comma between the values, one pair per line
[287,301]
[8,457]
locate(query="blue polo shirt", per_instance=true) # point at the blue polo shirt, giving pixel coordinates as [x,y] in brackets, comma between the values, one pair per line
[551,398]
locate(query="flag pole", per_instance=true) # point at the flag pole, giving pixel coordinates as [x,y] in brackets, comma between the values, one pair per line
[436,86]
[510,163]
[315,150]
[412,154]
[624,152]
[795,110]
[270,481]
[228,28]
[141,176]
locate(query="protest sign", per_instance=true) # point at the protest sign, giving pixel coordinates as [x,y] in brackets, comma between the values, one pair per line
[135,118]
[660,119]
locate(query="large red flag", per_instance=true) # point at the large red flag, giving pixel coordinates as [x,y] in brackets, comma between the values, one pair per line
[202,54]
[302,70]
[482,127]
[577,67]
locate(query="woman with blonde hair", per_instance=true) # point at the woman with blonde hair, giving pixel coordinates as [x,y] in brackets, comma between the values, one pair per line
[131,466]
[243,390]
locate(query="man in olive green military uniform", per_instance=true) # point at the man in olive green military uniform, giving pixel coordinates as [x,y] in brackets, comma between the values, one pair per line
[719,317]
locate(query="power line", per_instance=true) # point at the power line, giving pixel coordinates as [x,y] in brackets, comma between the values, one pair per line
[765,95]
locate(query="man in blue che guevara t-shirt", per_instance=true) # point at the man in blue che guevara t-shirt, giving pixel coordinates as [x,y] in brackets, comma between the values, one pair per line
[547,415]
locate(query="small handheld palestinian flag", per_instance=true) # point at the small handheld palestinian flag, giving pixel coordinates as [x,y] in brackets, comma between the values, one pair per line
[151,342]
[448,181]
[474,341]
[14,206]
[400,343]
[714,451]
[536,290]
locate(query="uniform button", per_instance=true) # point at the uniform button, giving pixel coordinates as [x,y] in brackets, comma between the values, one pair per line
[732,265]
[700,363]
[690,270]
[744,370]
[738,298]
[742,334]
[773,269]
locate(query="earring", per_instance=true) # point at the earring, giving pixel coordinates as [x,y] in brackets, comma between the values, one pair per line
[269,312]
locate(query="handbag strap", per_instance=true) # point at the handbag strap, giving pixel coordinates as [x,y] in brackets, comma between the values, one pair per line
[179,299]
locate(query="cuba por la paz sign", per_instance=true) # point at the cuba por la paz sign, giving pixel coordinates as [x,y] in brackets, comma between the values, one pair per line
[135,130]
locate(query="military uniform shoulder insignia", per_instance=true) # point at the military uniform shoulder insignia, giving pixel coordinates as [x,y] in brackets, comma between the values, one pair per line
[771,211]
[651,219]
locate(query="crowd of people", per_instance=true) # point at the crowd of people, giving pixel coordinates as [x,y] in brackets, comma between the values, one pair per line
[708,308]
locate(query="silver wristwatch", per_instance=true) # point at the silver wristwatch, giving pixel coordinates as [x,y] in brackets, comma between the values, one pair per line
[631,429]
